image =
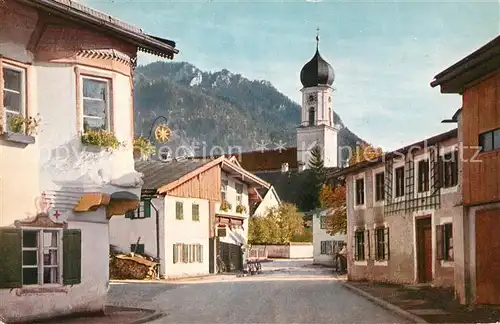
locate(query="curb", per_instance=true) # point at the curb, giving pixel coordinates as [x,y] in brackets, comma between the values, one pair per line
[149,318]
[393,308]
[153,314]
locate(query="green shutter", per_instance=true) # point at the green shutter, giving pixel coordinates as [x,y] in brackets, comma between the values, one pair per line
[176,256]
[72,256]
[11,258]
[147,208]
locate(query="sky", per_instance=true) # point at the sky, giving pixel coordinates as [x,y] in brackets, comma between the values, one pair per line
[384,53]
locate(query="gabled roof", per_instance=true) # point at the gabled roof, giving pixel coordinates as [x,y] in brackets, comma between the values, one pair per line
[474,66]
[165,176]
[157,173]
[268,160]
[80,13]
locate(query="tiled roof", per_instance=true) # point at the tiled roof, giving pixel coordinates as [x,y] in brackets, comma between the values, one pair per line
[269,160]
[158,174]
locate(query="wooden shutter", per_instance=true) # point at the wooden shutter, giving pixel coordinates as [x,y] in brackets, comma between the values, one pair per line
[147,208]
[72,256]
[439,242]
[386,243]
[185,253]
[176,254]
[11,258]
[354,246]
[376,243]
[201,253]
[367,245]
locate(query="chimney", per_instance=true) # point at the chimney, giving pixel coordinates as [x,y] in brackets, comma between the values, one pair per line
[284,167]
[302,166]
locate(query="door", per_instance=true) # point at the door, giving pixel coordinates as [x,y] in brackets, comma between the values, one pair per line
[424,249]
[211,256]
[231,255]
[488,257]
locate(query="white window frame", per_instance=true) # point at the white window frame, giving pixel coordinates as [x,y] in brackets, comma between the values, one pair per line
[23,93]
[40,249]
[355,178]
[442,221]
[224,186]
[442,152]
[397,165]
[374,184]
[418,158]
[83,77]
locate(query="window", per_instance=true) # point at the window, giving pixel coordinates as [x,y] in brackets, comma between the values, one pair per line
[379,186]
[96,104]
[444,240]
[311,116]
[140,248]
[359,245]
[143,211]
[239,193]
[223,190]
[360,191]
[14,93]
[449,170]
[400,181]
[326,247]
[40,257]
[490,141]
[179,210]
[382,244]
[196,212]
[423,175]
[322,222]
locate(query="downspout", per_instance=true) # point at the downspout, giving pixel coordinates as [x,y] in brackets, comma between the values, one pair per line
[157,238]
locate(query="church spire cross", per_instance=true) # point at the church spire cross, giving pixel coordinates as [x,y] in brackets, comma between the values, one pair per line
[317,38]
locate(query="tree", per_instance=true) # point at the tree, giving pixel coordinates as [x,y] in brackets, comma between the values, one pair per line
[365,152]
[314,181]
[335,198]
[278,226]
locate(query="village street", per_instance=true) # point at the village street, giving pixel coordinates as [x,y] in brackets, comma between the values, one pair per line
[286,292]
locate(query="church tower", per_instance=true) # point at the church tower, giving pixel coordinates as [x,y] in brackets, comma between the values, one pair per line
[317,126]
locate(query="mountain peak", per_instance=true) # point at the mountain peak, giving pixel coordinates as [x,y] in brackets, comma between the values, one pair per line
[219,109]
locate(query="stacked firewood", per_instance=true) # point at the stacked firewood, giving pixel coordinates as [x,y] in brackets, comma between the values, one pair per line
[132,266]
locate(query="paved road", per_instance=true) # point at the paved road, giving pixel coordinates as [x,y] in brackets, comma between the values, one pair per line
[286,292]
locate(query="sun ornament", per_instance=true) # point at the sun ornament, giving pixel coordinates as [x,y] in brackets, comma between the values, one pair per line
[162,133]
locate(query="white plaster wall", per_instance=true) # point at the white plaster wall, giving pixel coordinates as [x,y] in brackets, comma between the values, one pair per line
[19,168]
[124,231]
[319,235]
[324,136]
[63,158]
[301,251]
[88,296]
[186,231]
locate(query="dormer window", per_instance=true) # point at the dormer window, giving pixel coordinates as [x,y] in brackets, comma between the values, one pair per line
[312,116]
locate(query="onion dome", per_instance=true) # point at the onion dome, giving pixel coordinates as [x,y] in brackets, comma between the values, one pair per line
[317,71]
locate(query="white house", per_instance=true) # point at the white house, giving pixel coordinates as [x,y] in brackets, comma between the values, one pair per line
[72,66]
[324,243]
[192,211]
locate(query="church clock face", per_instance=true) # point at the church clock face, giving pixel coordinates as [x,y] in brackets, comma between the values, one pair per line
[311,98]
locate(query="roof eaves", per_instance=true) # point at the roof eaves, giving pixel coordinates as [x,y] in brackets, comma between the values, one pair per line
[73,10]
[487,51]
[427,142]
